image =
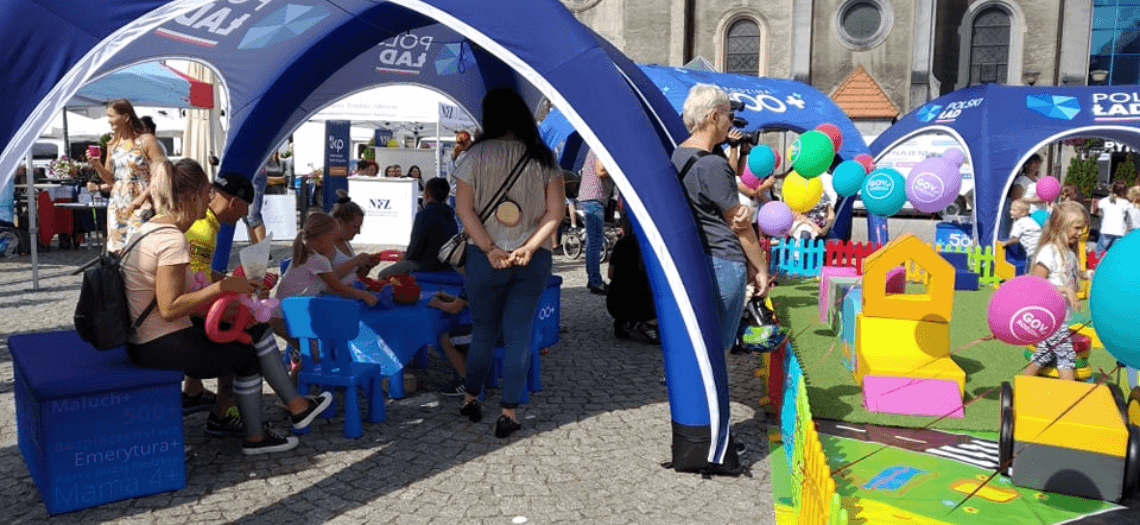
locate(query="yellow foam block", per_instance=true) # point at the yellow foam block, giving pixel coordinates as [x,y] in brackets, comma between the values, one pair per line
[936,304]
[1003,269]
[1093,425]
[904,348]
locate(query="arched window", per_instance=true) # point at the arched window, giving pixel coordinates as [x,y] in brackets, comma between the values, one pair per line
[989,47]
[743,48]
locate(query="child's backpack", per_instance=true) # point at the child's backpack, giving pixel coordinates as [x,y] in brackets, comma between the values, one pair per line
[102,315]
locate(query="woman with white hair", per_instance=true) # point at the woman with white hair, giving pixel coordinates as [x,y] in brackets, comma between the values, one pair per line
[724,225]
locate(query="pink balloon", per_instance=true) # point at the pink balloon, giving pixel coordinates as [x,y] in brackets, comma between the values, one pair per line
[866,160]
[749,179]
[237,328]
[775,219]
[832,132]
[1026,310]
[1048,188]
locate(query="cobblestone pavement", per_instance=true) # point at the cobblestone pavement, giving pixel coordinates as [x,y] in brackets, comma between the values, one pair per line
[590,450]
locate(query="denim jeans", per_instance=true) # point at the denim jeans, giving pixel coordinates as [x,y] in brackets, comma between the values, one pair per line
[503,301]
[729,281]
[595,222]
[1104,242]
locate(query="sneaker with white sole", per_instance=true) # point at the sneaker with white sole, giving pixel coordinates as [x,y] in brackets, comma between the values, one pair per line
[456,387]
[317,404]
[228,425]
[271,441]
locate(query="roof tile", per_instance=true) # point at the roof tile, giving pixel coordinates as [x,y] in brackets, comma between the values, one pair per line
[861,97]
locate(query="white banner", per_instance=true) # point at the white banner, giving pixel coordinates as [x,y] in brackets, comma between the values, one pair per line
[390,207]
[452,117]
[280,215]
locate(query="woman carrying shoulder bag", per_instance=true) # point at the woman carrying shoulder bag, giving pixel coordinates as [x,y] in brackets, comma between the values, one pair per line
[507,262]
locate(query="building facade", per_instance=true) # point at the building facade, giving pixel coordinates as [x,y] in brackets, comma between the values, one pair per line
[913,50]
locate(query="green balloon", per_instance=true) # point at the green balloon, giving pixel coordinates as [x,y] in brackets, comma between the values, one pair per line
[812,154]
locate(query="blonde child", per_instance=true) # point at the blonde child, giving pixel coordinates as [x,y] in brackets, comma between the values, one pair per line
[1134,210]
[1056,260]
[310,273]
[1025,230]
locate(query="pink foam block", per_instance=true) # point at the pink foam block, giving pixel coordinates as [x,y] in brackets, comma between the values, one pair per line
[896,280]
[912,396]
[826,273]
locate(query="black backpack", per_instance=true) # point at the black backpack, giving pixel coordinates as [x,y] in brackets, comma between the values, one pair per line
[102,315]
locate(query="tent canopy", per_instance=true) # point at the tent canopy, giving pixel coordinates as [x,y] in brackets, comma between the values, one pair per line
[770,104]
[1001,126]
[149,84]
[279,63]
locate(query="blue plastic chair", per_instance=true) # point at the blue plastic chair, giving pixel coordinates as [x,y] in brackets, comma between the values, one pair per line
[333,322]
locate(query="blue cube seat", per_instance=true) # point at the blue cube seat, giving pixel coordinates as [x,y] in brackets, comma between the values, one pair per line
[93,427]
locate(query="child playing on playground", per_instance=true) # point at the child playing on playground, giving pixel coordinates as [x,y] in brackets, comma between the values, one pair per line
[310,273]
[1025,231]
[1056,260]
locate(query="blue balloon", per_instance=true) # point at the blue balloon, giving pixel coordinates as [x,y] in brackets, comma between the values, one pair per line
[1113,299]
[1040,216]
[848,177]
[884,192]
[761,160]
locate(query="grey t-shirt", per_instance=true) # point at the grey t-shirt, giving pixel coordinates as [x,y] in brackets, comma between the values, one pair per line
[711,188]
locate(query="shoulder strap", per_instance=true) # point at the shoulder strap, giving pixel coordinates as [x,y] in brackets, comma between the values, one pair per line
[153,302]
[689,164]
[502,191]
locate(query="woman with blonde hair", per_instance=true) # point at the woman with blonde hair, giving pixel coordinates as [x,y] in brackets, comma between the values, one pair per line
[155,268]
[130,153]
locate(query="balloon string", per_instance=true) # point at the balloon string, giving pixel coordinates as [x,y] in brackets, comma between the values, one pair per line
[822,359]
[1100,382]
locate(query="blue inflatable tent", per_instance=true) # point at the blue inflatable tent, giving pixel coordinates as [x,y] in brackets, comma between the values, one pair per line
[1001,126]
[770,104]
[279,62]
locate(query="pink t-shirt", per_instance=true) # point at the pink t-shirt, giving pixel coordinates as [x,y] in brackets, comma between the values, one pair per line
[304,280]
[167,246]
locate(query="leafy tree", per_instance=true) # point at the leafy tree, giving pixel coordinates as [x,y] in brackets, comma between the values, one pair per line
[1082,173]
[1125,171]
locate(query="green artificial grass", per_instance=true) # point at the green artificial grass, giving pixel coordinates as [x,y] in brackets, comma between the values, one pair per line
[831,388]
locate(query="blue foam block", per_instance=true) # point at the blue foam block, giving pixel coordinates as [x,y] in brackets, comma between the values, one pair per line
[92,427]
[964,280]
[958,259]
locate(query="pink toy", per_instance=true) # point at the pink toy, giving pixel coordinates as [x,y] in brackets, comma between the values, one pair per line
[237,329]
[825,275]
[1048,188]
[1025,310]
[832,132]
[896,280]
[866,160]
[912,396]
[774,219]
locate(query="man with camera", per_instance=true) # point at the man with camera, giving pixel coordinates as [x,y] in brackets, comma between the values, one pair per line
[724,225]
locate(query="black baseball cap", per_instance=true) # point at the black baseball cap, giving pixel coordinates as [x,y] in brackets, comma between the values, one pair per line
[235,184]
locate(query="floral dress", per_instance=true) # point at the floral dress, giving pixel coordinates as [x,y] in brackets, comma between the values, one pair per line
[132,175]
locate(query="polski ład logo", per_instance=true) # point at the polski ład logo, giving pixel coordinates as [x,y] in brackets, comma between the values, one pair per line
[880,185]
[927,187]
[1032,323]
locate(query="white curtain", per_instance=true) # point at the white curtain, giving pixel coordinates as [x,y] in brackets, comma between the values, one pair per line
[196,140]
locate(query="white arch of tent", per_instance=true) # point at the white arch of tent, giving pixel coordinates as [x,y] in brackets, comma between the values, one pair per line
[1121,133]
